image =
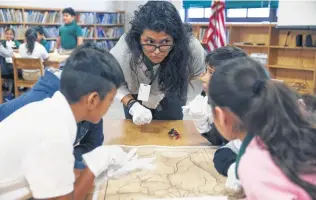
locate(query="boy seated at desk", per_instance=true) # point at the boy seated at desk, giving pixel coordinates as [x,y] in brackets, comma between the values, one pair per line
[41,37]
[70,34]
[202,119]
[36,144]
[89,135]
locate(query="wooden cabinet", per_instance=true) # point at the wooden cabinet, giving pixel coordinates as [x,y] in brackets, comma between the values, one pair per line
[294,65]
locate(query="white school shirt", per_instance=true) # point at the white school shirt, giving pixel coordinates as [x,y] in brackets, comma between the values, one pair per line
[36,150]
[39,51]
[123,55]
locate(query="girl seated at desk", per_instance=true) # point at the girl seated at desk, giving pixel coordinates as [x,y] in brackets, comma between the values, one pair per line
[277,157]
[32,49]
[10,41]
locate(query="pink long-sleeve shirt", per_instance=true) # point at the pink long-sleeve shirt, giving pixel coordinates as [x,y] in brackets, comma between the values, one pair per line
[262,179]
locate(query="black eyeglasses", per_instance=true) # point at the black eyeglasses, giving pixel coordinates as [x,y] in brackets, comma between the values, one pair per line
[153,47]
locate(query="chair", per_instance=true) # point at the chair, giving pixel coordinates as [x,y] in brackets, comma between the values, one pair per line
[29,64]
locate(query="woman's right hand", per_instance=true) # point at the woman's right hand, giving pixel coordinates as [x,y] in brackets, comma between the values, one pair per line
[141,115]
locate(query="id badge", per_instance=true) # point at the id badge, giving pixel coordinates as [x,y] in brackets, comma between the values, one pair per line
[144,91]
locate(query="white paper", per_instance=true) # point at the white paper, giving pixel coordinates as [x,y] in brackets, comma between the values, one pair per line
[143,93]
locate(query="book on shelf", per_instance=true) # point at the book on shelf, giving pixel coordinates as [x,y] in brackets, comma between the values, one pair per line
[42,17]
[203,35]
[51,32]
[85,18]
[107,44]
[110,18]
[88,32]
[114,32]
[52,45]
[18,29]
[11,15]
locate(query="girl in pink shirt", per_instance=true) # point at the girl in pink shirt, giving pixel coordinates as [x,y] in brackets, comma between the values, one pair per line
[278,156]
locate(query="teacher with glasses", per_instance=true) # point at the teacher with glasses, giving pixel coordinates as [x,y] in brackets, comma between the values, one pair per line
[159,56]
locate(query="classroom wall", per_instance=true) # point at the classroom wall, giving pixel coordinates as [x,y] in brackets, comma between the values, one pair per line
[297,13]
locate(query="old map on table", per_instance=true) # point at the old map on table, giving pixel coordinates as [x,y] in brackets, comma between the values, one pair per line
[180,172]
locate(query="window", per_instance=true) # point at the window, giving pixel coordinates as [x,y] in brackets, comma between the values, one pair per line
[182,14]
[196,13]
[207,12]
[237,13]
[233,15]
[258,12]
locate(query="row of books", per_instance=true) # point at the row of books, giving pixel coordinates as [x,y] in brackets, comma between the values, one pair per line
[85,18]
[114,32]
[203,35]
[51,32]
[107,45]
[11,15]
[42,17]
[18,29]
[88,32]
[113,18]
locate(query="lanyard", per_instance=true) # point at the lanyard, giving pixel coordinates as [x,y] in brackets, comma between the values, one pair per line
[155,75]
[242,150]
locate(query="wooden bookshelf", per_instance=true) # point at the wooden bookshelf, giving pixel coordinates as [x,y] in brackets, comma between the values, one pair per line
[90,22]
[296,66]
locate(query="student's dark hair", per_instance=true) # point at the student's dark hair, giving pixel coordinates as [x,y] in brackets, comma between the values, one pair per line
[10,29]
[310,107]
[216,57]
[174,69]
[69,11]
[30,37]
[39,29]
[90,69]
[268,110]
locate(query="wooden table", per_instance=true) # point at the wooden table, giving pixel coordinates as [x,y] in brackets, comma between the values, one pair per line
[124,132]
[55,59]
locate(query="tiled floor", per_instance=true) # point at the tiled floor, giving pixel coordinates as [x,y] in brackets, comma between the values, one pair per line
[116,110]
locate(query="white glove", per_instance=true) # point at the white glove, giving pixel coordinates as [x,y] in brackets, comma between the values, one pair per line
[200,112]
[124,166]
[102,157]
[141,115]
[232,183]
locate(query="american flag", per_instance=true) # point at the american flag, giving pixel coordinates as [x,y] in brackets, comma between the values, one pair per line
[216,35]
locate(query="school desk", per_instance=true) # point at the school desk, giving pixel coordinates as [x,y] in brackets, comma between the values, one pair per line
[184,166]
[124,132]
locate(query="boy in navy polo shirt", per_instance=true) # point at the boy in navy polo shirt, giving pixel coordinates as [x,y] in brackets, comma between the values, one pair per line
[70,34]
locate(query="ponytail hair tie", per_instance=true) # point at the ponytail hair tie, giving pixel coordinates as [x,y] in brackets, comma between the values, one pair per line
[258,86]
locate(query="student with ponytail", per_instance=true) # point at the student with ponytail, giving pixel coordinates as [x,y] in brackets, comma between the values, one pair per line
[32,49]
[277,159]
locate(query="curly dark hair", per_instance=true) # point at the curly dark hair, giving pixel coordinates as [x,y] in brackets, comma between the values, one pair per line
[162,16]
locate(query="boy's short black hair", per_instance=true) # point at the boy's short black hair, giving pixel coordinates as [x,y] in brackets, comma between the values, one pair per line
[310,102]
[90,69]
[39,29]
[69,11]
[216,57]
